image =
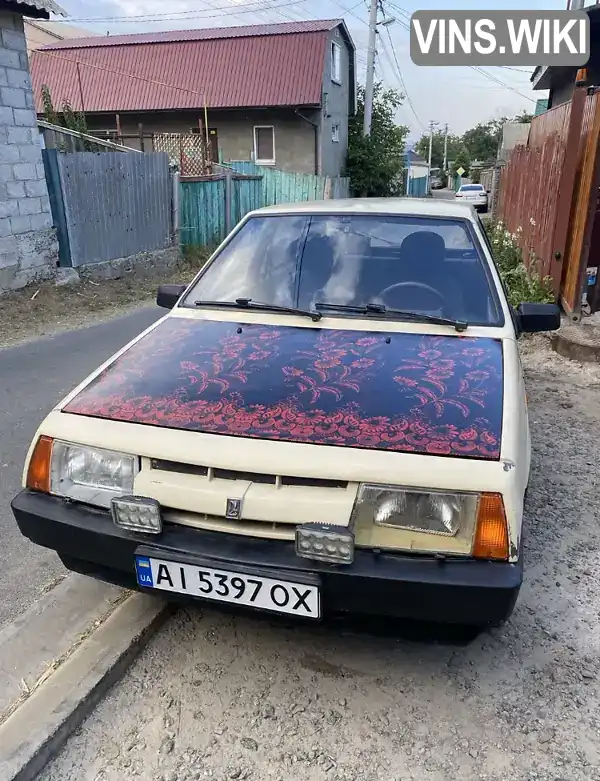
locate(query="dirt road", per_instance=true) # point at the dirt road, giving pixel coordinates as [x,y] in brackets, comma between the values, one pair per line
[225,697]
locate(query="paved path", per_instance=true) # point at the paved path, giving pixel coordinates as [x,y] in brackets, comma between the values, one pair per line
[443,194]
[34,377]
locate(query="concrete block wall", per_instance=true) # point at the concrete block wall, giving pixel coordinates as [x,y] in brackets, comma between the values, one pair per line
[28,246]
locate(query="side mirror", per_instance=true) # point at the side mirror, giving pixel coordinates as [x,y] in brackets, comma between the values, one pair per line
[488,192]
[168,295]
[538,317]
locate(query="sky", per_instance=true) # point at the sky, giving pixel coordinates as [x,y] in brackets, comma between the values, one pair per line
[458,96]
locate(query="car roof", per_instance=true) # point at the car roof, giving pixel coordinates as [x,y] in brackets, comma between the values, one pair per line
[413,207]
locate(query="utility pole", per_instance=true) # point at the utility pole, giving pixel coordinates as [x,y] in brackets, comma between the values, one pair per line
[370,67]
[445,148]
[432,125]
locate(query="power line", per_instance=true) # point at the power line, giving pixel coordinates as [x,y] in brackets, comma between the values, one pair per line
[518,70]
[401,77]
[95,66]
[46,53]
[502,83]
[351,10]
[476,68]
[181,15]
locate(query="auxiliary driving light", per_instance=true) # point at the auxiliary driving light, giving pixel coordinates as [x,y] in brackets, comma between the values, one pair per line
[138,514]
[325,542]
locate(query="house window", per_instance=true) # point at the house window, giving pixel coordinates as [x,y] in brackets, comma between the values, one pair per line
[336,63]
[264,144]
[335,133]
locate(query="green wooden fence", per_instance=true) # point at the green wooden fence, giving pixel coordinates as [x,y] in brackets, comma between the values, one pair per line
[206,202]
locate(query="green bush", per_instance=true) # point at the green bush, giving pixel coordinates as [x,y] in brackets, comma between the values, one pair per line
[522,283]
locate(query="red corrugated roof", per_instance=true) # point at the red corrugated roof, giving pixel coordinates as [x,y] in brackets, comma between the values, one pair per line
[173,36]
[231,67]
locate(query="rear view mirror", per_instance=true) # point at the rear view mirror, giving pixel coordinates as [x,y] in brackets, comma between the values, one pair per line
[169,295]
[538,317]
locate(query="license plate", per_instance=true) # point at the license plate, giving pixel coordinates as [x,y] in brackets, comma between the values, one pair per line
[278,596]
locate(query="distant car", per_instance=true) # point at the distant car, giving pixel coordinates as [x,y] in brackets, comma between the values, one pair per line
[330,419]
[436,183]
[474,195]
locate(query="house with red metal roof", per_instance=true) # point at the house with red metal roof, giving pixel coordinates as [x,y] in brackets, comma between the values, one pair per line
[277,94]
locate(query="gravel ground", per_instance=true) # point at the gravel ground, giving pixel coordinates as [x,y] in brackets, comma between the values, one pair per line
[216,696]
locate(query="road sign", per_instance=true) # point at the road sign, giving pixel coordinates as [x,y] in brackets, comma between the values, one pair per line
[460,171]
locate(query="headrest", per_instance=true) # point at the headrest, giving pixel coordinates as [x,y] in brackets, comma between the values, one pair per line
[423,244]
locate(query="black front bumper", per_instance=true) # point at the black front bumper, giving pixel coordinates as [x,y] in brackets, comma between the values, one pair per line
[457,591]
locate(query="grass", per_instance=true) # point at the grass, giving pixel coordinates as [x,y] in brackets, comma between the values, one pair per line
[523,283]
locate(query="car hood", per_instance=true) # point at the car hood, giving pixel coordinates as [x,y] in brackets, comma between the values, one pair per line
[406,392]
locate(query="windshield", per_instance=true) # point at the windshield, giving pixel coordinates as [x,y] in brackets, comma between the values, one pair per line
[468,188]
[425,265]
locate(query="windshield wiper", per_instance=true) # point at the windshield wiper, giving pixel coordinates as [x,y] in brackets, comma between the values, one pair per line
[248,303]
[401,314]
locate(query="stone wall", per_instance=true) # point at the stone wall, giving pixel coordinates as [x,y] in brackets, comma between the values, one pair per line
[28,247]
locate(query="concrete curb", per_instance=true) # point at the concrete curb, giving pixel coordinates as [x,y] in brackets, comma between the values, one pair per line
[39,727]
[575,350]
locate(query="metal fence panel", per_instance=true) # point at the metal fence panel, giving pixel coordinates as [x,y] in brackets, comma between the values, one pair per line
[115,204]
[202,209]
[417,187]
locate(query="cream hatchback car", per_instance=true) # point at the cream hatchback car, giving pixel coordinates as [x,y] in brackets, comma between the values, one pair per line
[331,418]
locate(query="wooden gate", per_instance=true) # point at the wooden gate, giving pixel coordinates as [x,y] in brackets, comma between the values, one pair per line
[583,209]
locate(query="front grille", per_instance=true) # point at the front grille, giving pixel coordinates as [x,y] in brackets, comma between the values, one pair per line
[246,528]
[251,477]
[172,466]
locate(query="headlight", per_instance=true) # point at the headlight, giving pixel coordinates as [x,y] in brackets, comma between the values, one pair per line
[91,475]
[431,512]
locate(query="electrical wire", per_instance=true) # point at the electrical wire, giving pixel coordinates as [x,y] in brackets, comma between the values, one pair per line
[46,53]
[181,15]
[351,11]
[476,68]
[519,70]
[84,63]
[401,77]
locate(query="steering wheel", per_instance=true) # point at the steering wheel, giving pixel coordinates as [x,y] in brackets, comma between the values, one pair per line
[420,285]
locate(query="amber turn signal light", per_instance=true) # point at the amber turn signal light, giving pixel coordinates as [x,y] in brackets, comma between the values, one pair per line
[38,473]
[491,536]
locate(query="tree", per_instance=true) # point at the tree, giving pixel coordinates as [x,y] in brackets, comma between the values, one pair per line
[375,163]
[523,117]
[482,140]
[462,160]
[66,117]
[437,148]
